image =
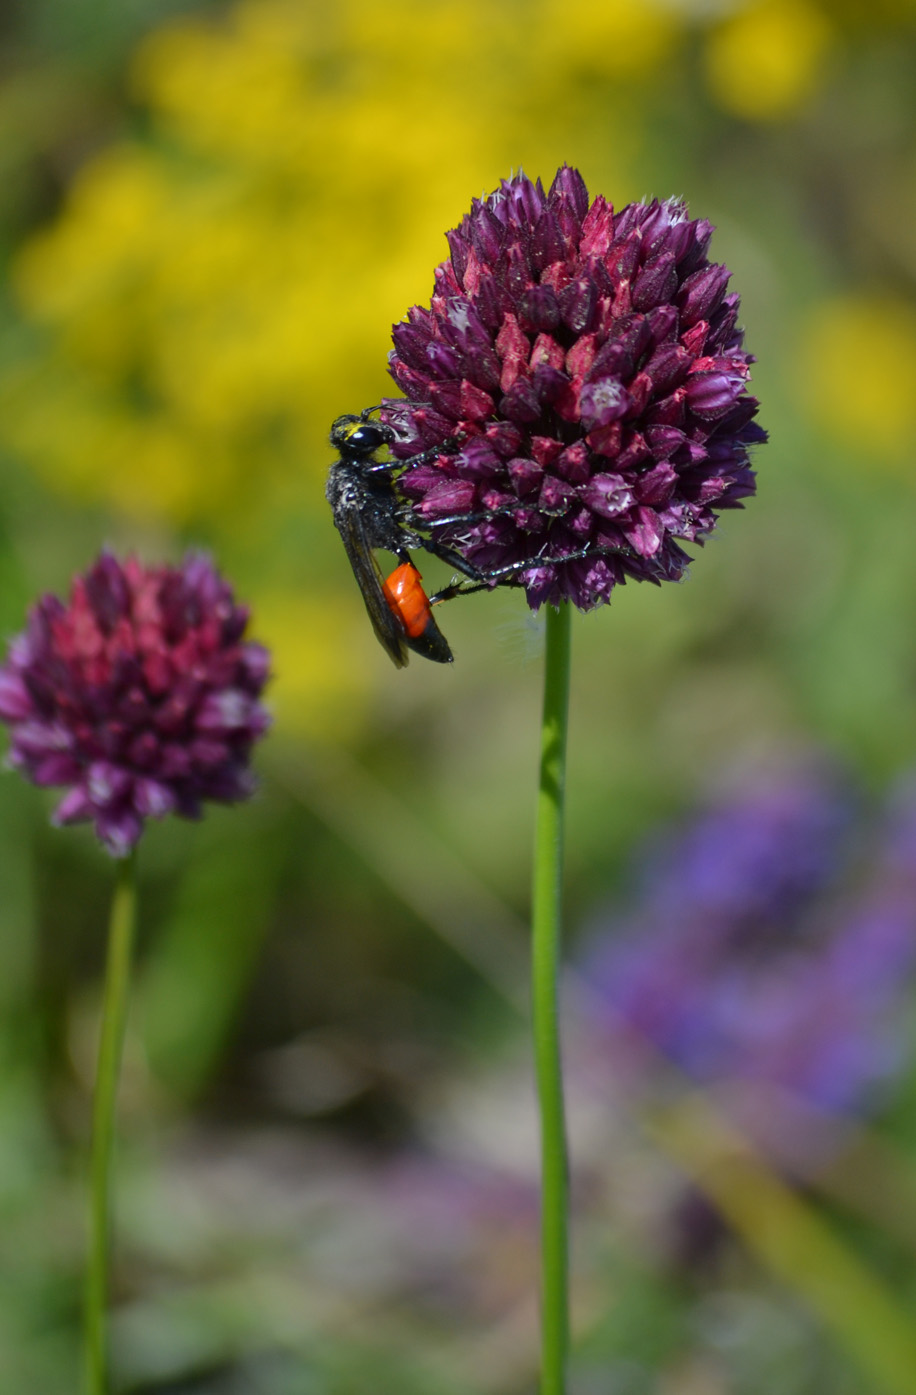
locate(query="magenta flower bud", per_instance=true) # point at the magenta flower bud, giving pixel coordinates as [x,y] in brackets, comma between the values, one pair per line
[574,366]
[140,696]
[15,703]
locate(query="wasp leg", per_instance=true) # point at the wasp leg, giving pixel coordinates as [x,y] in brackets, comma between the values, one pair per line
[393,466]
[451,443]
[485,580]
[412,521]
[453,520]
[453,559]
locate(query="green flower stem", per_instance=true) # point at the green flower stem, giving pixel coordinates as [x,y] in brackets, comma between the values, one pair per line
[114,1017]
[546,897]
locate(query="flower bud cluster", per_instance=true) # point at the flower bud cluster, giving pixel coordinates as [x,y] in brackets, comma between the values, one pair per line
[139,695]
[576,390]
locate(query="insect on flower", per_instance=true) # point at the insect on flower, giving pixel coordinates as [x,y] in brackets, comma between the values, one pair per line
[575,402]
[370,516]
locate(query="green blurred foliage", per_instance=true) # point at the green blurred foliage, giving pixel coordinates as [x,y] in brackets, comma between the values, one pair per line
[210,216]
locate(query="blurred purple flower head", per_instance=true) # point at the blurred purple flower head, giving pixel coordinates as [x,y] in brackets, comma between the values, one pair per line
[139,695]
[577,386]
[760,952]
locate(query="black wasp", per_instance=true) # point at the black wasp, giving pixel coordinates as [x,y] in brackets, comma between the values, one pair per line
[369,515]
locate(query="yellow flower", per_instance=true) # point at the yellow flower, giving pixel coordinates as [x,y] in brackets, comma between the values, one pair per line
[765,62]
[213,295]
[619,38]
[858,375]
[319,688]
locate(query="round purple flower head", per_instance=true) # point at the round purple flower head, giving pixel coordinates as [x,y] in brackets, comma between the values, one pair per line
[575,392]
[140,696]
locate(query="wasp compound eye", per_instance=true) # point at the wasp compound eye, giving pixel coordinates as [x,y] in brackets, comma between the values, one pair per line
[358,435]
[368,438]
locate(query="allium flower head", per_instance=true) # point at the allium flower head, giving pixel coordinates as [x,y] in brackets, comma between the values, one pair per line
[577,386]
[140,695]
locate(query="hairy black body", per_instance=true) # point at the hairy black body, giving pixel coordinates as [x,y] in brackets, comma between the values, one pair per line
[369,515]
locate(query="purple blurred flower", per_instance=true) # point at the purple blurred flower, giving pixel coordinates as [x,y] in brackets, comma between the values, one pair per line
[140,696]
[577,385]
[753,957]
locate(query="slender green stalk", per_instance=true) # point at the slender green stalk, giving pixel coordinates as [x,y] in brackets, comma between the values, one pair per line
[114,1017]
[546,943]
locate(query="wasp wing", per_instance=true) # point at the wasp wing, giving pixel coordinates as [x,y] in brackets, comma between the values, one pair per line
[388,630]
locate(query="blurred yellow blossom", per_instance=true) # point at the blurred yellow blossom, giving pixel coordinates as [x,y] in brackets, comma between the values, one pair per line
[766,60]
[318,689]
[617,37]
[213,293]
[858,375]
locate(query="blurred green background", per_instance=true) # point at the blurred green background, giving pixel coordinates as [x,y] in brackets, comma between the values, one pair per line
[210,216]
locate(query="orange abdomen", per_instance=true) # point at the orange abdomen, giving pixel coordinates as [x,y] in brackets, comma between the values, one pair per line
[407,600]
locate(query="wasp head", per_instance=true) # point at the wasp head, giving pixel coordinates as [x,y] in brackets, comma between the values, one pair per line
[358,436]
